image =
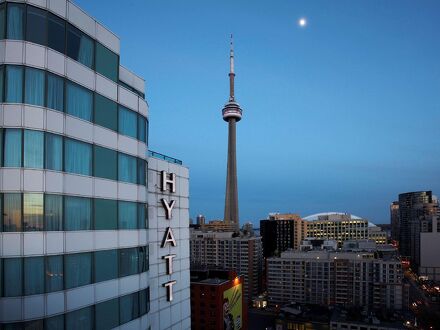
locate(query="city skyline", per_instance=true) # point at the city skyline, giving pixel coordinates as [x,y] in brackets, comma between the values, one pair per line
[355,94]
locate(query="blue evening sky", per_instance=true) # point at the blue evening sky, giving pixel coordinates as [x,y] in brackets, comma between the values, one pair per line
[340,116]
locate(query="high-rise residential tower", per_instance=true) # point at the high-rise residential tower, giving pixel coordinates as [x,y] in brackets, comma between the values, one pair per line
[232,114]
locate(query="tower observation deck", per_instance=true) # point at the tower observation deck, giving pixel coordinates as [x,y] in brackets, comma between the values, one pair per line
[232,114]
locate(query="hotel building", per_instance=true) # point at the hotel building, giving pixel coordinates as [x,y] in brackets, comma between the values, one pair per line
[75,246]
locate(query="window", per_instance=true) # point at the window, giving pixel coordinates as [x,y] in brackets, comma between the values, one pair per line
[77,213]
[14,84]
[53,212]
[143,259]
[12,157]
[78,269]
[80,319]
[1,76]
[54,323]
[15,21]
[105,211]
[79,46]
[33,149]
[107,315]
[32,212]
[36,26]
[106,112]
[54,273]
[107,62]
[127,122]
[56,38]
[127,168]
[12,212]
[144,301]
[54,152]
[2,21]
[34,87]
[77,157]
[12,277]
[142,129]
[55,92]
[105,163]
[141,172]
[127,215]
[142,219]
[79,101]
[33,275]
[106,265]
[128,262]
[129,307]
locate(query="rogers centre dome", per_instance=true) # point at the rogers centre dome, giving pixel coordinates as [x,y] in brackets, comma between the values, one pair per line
[316,216]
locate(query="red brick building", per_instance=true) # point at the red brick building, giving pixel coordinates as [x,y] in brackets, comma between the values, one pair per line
[217,301]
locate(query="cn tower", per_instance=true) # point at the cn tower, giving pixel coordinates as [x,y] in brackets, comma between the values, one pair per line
[232,114]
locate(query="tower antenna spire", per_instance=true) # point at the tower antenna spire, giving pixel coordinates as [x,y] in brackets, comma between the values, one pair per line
[231,71]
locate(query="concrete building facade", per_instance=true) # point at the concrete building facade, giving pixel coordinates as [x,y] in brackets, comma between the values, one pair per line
[335,278]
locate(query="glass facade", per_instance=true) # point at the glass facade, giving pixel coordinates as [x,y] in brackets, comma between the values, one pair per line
[42,88]
[106,315]
[49,212]
[37,275]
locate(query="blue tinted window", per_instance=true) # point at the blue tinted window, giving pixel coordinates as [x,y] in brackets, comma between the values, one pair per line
[77,157]
[127,122]
[53,212]
[34,87]
[107,62]
[54,323]
[54,152]
[12,212]
[2,70]
[15,21]
[79,46]
[127,168]
[142,218]
[54,273]
[55,92]
[77,213]
[79,102]
[128,262]
[56,38]
[129,307]
[33,149]
[142,129]
[105,163]
[36,22]
[2,21]
[141,171]
[143,259]
[33,212]
[106,214]
[12,277]
[78,270]
[106,112]
[33,275]
[106,265]
[107,315]
[127,215]
[80,319]
[14,84]
[12,156]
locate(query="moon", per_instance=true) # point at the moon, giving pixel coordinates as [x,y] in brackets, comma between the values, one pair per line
[302,22]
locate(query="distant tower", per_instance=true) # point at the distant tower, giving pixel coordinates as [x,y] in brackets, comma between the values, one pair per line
[231,114]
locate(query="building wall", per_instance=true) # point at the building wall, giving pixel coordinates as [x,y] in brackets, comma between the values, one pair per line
[328,278]
[26,241]
[166,314]
[429,247]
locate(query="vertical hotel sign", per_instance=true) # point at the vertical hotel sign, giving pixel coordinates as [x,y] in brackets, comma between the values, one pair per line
[168,182]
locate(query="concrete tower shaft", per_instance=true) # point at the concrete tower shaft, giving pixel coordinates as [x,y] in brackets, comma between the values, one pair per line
[232,114]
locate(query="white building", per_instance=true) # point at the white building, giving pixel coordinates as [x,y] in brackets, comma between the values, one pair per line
[429,247]
[334,278]
[74,243]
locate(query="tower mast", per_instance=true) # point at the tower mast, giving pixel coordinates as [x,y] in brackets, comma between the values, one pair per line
[231,114]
